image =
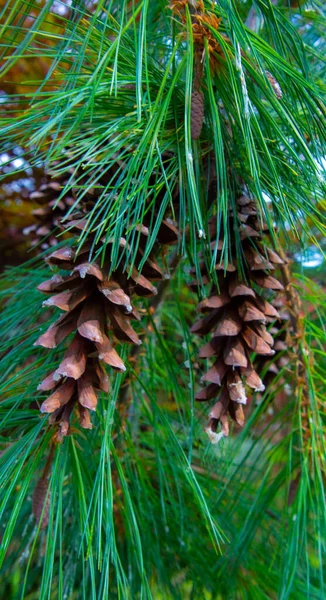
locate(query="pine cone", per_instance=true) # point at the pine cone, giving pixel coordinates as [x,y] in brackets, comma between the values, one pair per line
[197,113]
[40,496]
[237,316]
[97,309]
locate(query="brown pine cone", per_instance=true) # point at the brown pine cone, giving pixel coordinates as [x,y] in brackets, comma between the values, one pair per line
[98,310]
[40,496]
[237,316]
[197,113]
[95,306]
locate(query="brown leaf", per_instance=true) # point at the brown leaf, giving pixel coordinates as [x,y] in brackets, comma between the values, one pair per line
[229,268]
[239,414]
[78,224]
[274,257]
[50,284]
[64,422]
[243,218]
[151,269]
[275,85]
[143,230]
[225,424]
[244,200]
[215,243]
[194,284]
[43,231]
[279,301]
[249,209]
[280,346]
[283,361]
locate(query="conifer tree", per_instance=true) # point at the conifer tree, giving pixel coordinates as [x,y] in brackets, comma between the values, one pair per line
[163,344]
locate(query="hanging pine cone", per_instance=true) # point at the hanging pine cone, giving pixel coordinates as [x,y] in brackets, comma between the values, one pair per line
[237,317]
[98,310]
[197,113]
[41,497]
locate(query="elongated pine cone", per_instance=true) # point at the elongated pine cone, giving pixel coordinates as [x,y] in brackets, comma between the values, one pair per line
[97,310]
[237,315]
[197,113]
[41,497]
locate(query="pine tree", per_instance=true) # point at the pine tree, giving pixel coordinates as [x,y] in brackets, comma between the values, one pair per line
[179,152]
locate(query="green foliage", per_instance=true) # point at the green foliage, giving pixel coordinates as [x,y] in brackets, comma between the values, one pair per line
[91,112]
[142,506]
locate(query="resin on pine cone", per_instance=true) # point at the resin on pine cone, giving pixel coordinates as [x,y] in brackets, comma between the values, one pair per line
[237,316]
